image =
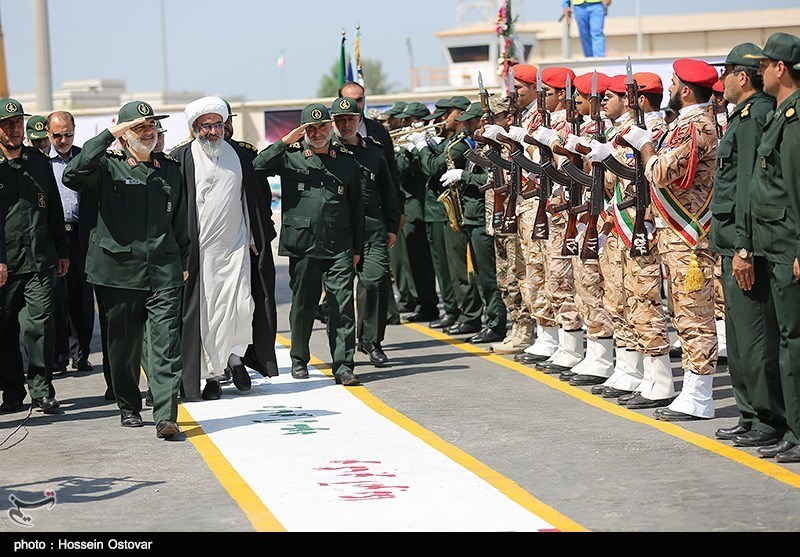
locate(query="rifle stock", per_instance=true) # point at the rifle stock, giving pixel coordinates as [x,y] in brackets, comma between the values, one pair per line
[591,240]
[640,246]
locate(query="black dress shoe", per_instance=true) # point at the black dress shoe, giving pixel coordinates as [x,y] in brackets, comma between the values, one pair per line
[486,335]
[639,402]
[148,398]
[587,381]
[755,438]
[792,455]
[374,351]
[83,365]
[611,392]
[598,390]
[444,322]
[47,404]
[130,419]
[299,371]
[212,390]
[774,450]
[60,364]
[241,379]
[347,378]
[422,316]
[551,368]
[167,429]
[728,433]
[10,406]
[528,359]
[623,399]
[462,329]
[109,394]
[667,415]
[567,375]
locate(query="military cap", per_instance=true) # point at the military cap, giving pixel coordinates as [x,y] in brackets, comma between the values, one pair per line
[583,83]
[557,77]
[648,82]
[159,127]
[697,72]
[11,107]
[745,54]
[395,109]
[525,73]
[474,111]
[345,106]
[797,66]
[315,113]
[414,109]
[458,101]
[137,109]
[784,47]
[498,104]
[230,112]
[36,128]
[439,112]
[618,84]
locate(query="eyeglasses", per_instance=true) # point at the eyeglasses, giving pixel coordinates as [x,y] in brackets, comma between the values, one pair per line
[219,126]
[65,134]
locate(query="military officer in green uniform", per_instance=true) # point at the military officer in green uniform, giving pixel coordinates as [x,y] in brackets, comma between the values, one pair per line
[480,243]
[36,131]
[137,259]
[775,209]
[751,327]
[450,245]
[322,234]
[381,223]
[36,252]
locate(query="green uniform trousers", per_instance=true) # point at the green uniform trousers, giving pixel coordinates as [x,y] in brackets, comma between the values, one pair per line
[128,315]
[26,307]
[785,293]
[374,287]
[485,275]
[436,240]
[464,285]
[752,334]
[423,276]
[307,276]
[402,274]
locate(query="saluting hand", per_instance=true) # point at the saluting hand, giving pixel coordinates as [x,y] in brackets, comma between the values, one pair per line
[295,135]
[120,129]
[62,267]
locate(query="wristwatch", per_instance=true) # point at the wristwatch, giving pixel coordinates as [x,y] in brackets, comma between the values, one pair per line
[744,254]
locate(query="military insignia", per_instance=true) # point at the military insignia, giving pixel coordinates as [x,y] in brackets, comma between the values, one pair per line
[341,190]
[156,163]
[746,110]
[763,162]
[316,114]
[11,107]
[333,154]
[247,145]
[363,144]
[42,200]
[143,109]
[308,153]
[38,126]
[24,156]
[169,206]
[132,162]
[344,104]
[301,186]
[791,113]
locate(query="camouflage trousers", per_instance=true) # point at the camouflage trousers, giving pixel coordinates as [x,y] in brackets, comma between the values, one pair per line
[719,297]
[693,313]
[644,306]
[559,278]
[612,263]
[532,288]
[589,289]
[510,269]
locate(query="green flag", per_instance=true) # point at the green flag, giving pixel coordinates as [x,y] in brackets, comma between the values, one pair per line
[342,63]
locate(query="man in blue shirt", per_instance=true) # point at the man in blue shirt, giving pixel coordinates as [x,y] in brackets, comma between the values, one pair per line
[590,16]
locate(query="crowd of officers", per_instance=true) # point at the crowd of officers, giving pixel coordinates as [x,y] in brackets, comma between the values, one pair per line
[567,205]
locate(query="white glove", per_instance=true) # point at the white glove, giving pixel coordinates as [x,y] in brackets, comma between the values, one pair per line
[451,176]
[435,139]
[573,141]
[516,133]
[599,151]
[492,131]
[601,242]
[407,145]
[651,230]
[637,137]
[581,231]
[546,136]
[418,140]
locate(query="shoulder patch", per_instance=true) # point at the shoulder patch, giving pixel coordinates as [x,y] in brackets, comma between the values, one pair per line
[791,114]
[169,158]
[247,145]
[746,111]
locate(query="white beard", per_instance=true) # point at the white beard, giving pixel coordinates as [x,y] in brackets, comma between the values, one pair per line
[138,146]
[212,149]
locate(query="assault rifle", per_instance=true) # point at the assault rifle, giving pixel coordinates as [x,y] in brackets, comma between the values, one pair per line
[574,190]
[640,246]
[591,246]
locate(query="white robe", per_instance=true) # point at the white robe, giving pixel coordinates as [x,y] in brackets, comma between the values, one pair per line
[226,302]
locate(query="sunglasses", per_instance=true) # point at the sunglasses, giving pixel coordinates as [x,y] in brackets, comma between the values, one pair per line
[65,134]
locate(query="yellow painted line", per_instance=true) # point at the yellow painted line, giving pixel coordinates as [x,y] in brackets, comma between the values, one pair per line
[763,466]
[259,515]
[508,487]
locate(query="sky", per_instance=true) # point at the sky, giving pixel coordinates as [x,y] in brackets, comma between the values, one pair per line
[230,48]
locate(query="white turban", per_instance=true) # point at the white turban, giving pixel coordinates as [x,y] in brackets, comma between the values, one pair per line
[206,105]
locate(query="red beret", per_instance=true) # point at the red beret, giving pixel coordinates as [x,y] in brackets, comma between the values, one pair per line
[697,72]
[618,84]
[648,82]
[583,83]
[525,73]
[719,87]
[557,77]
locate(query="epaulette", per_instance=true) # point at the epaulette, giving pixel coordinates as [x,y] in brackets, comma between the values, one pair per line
[791,114]
[247,145]
[343,149]
[374,141]
[745,111]
[169,158]
[294,146]
[118,153]
[463,134]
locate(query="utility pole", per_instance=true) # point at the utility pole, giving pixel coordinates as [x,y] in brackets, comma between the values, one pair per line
[164,48]
[41,46]
[411,79]
[3,73]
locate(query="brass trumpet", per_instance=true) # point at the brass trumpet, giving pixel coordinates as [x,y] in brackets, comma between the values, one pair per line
[399,135]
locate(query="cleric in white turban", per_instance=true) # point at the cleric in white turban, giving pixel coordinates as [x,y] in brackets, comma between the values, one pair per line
[229,315]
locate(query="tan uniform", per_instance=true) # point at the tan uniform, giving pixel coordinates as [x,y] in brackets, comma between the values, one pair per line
[685,167]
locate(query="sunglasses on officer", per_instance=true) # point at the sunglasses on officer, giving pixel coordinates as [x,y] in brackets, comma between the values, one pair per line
[60,135]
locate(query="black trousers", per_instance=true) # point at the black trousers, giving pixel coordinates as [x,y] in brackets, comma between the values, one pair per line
[74,306]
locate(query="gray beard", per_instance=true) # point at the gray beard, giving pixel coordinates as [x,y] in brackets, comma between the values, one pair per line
[138,146]
[212,149]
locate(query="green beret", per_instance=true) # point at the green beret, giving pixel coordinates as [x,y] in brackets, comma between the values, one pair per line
[315,113]
[36,128]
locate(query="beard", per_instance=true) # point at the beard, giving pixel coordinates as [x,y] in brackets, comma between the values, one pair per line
[137,145]
[675,103]
[211,148]
[320,143]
